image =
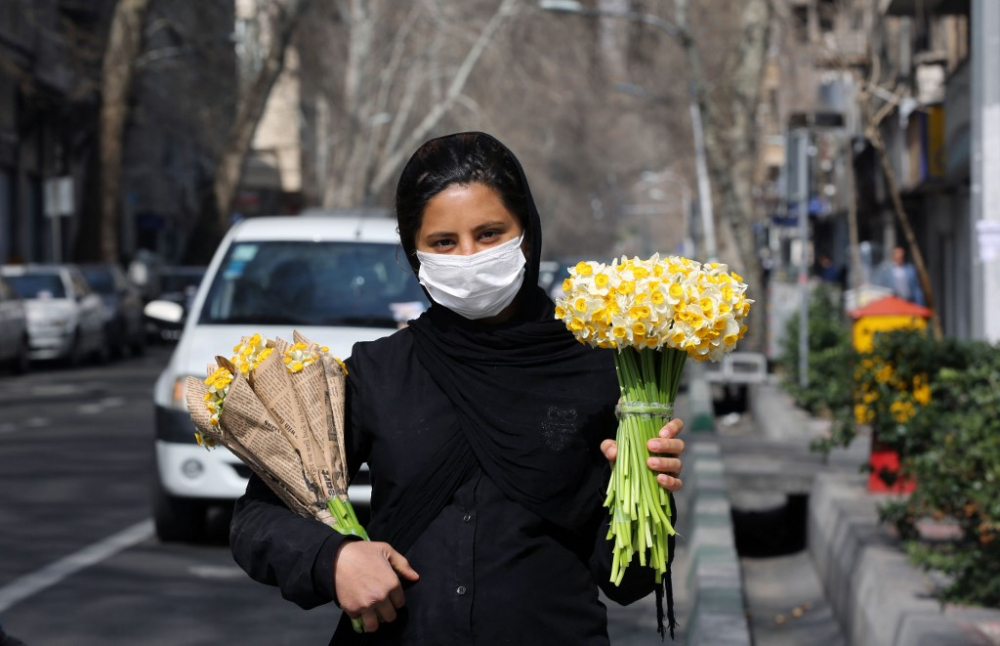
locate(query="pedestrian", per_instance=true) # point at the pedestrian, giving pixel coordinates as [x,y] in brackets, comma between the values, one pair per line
[487,430]
[900,277]
[830,272]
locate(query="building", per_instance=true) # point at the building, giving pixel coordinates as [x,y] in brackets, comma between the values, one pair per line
[182,101]
[927,136]
[43,124]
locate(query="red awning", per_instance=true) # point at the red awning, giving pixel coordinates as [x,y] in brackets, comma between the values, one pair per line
[891,306]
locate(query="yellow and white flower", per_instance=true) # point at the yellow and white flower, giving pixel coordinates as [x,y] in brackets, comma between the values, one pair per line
[673,302]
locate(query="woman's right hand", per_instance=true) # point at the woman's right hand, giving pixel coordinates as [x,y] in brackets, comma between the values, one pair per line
[366,579]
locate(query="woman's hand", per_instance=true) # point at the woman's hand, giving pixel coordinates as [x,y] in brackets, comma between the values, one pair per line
[668,464]
[366,579]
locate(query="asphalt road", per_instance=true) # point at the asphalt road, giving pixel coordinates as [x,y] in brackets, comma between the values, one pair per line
[79,563]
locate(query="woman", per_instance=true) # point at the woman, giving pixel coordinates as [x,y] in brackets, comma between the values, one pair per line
[486,428]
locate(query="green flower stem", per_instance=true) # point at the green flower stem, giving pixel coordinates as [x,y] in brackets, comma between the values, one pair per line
[347,524]
[639,507]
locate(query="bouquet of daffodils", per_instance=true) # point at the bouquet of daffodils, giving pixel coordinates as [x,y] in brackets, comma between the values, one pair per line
[655,313]
[279,407]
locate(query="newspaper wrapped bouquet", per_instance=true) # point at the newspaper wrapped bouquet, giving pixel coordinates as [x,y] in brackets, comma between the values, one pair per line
[279,407]
[655,313]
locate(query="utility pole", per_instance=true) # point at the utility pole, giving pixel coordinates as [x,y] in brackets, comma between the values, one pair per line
[798,193]
[985,203]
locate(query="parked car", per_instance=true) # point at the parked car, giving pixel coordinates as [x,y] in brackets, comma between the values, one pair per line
[65,316]
[338,280]
[14,342]
[123,320]
[177,285]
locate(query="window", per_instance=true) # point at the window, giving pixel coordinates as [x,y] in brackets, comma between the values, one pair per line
[312,283]
[827,14]
[38,285]
[800,23]
[101,279]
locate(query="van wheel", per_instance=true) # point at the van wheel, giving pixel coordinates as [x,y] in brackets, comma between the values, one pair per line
[22,363]
[177,520]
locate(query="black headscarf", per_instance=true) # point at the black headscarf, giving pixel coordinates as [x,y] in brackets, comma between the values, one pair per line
[505,381]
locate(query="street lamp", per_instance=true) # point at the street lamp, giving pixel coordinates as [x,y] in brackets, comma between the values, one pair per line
[701,166]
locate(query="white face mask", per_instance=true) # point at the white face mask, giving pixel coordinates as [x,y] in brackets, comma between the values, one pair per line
[477,286]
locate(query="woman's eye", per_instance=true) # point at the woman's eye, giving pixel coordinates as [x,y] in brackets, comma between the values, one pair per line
[441,244]
[489,235]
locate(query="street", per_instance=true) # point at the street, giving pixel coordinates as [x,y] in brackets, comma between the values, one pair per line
[79,563]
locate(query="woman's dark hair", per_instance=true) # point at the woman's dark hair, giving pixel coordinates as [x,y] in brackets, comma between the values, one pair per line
[461,159]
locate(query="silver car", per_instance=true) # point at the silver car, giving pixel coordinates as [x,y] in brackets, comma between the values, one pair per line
[14,346]
[65,316]
[122,307]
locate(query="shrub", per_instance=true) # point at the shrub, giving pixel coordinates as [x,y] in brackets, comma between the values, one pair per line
[956,464]
[893,386]
[831,355]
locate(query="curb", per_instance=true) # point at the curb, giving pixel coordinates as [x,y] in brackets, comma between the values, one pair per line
[878,597]
[701,413]
[714,580]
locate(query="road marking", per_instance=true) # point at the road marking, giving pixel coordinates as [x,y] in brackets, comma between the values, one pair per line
[7,427]
[89,409]
[112,402]
[57,390]
[36,422]
[34,582]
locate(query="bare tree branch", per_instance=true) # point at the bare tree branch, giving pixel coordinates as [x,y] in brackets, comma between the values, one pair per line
[397,157]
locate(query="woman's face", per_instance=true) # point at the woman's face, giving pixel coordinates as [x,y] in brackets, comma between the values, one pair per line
[463,220]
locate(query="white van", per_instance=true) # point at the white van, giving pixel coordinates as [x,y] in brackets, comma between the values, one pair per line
[336,279]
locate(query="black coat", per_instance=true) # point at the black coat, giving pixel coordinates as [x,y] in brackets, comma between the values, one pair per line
[491,571]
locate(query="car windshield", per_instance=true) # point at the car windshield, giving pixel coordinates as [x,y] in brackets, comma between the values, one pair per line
[101,280]
[171,282]
[313,283]
[38,285]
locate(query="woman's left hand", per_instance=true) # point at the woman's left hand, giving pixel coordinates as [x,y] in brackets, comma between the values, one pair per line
[668,464]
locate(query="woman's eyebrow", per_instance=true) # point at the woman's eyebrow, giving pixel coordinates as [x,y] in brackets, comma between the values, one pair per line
[477,228]
[490,224]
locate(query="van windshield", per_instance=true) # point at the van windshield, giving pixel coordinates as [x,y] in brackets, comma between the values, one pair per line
[313,283]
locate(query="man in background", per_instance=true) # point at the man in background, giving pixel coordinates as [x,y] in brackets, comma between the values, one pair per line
[901,277]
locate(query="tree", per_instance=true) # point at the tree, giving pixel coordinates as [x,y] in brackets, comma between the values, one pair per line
[280,20]
[401,79]
[118,71]
[731,130]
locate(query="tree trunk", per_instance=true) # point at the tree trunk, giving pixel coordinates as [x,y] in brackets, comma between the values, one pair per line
[250,108]
[731,151]
[118,71]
